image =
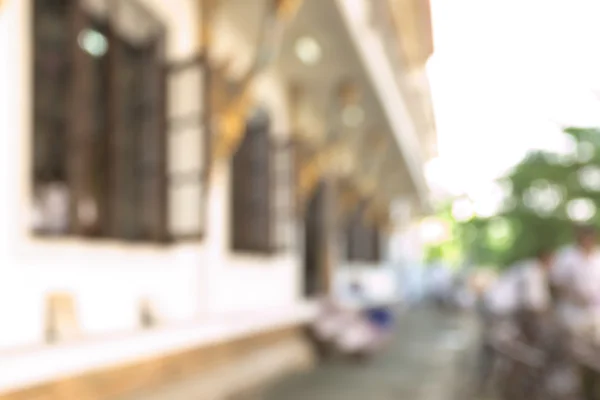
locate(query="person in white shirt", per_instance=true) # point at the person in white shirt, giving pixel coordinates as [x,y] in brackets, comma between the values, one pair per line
[525,286]
[440,283]
[576,278]
[511,307]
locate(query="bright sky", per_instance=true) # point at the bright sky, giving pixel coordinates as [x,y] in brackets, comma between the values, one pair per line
[505,75]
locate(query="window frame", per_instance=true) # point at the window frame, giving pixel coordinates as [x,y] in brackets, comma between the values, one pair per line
[201,61]
[244,206]
[362,240]
[130,158]
[283,188]
[160,231]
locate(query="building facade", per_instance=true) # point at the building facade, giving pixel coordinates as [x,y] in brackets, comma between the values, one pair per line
[182,177]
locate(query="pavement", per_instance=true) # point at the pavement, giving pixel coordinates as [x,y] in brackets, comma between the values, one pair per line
[425,361]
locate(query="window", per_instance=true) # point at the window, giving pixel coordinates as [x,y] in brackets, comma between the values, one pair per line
[104,103]
[284,196]
[52,72]
[251,188]
[137,140]
[362,239]
[188,147]
[316,239]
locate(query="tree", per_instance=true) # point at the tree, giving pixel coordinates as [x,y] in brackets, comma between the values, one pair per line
[547,193]
[449,247]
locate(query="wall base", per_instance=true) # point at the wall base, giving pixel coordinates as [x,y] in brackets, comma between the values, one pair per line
[210,373]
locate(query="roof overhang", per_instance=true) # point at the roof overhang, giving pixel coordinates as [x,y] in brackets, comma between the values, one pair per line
[347,54]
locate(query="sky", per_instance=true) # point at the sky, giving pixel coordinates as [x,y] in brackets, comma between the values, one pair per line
[505,76]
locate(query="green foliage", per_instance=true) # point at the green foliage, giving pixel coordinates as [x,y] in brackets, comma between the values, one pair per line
[539,211]
[451,249]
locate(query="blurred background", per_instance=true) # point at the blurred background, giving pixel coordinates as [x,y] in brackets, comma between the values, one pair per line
[281,199]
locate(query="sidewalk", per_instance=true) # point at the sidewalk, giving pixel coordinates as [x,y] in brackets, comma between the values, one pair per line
[423,363]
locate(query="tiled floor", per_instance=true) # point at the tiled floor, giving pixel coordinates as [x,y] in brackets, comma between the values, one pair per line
[421,364]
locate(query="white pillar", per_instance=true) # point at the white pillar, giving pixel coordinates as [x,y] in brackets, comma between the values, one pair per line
[16,304]
[15,121]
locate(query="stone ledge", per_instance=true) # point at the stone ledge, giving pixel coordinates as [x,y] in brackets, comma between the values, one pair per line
[129,379]
[243,376]
[21,369]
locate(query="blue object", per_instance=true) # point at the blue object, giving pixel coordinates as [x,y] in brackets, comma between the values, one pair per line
[380,317]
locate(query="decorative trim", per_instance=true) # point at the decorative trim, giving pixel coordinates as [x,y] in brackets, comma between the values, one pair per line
[232,115]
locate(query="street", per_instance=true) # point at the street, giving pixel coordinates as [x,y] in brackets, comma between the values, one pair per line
[425,362]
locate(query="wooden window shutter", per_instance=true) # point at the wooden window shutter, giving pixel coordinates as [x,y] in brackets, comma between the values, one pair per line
[251,190]
[137,125]
[378,243]
[241,188]
[152,159]
[188,147]
[121,152]
[352,251]
[52,64]
[284,198]
[261,204]
[300,157]
[53,58]
[374,252]
[362,239]
[81,132]
[113,125]
[316,238]
[127,116]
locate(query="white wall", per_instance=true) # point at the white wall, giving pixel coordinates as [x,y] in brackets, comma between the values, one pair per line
[406,245]
[107,278]
[241,282]
[379,282]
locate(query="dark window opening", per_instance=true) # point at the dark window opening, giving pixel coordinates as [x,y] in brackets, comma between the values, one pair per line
[315,242]
[52,70]
[99,122]
[283,209]
[251,190]
[137,141]
[362,238]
